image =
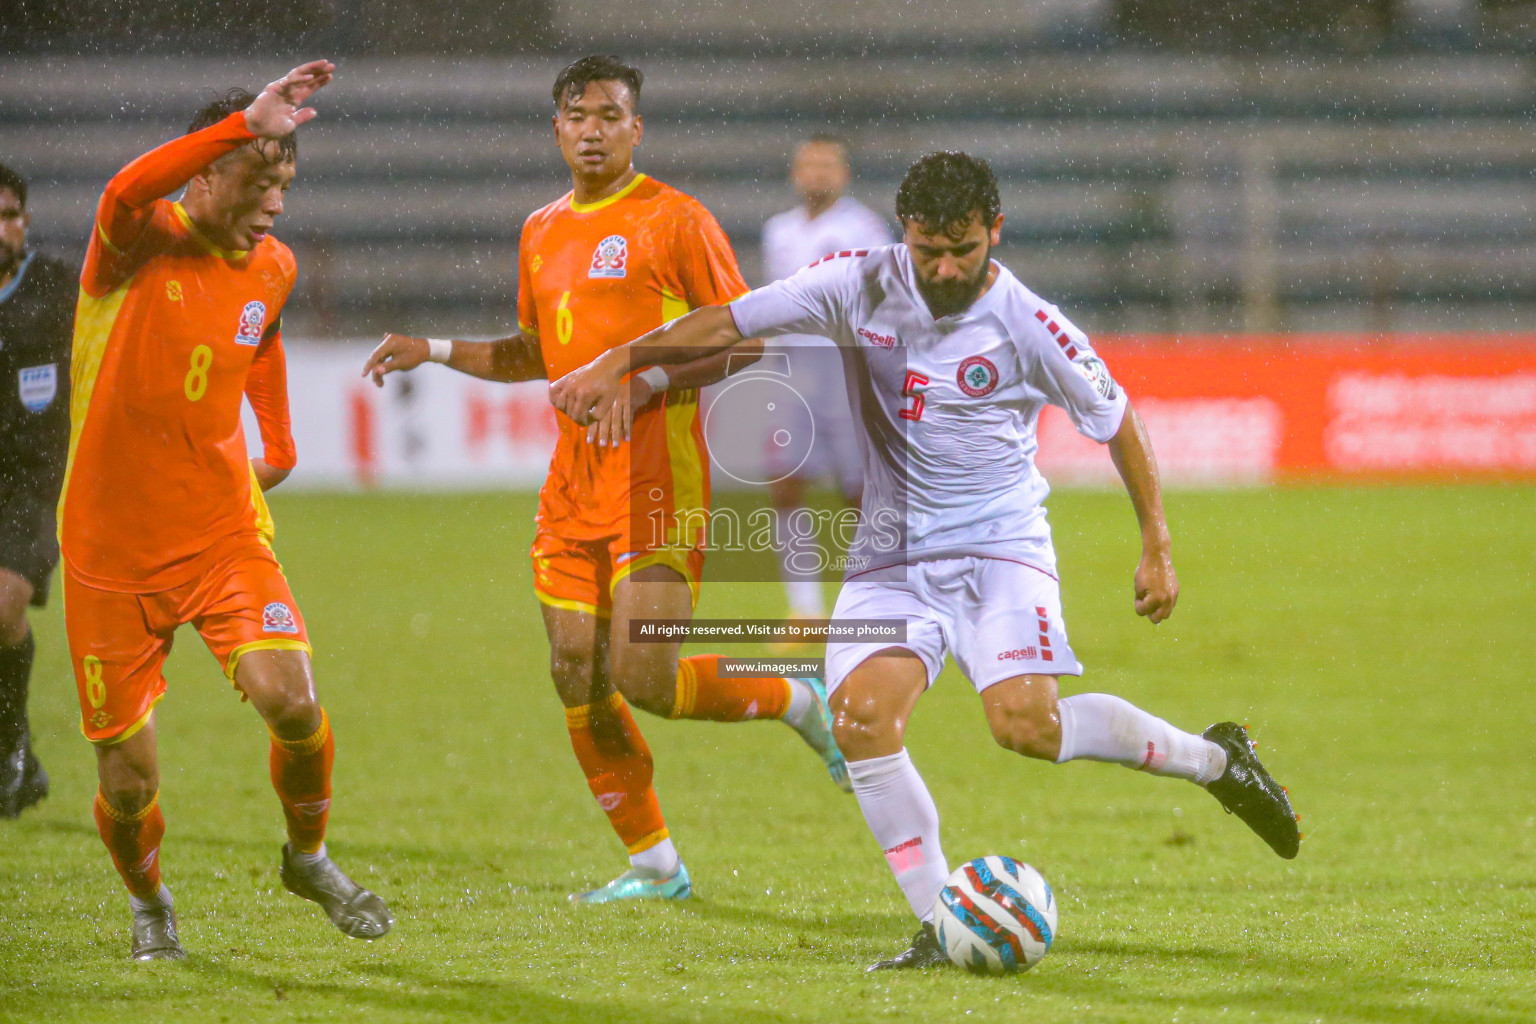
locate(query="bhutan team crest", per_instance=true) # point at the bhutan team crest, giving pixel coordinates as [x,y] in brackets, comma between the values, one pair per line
[278,618]
[977,376]
[611,258]
[252,318]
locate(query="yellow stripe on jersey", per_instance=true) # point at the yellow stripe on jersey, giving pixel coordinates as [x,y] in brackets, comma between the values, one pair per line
[203,240]
[266,526]
[672,306]
[101,232]
[607,200]
[682,450]
[94,319]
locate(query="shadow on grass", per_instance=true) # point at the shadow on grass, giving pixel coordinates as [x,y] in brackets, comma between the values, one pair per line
[1323,988]
[838,925]
[467,999]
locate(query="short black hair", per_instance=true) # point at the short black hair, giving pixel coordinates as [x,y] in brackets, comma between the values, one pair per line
[15,182]
[572,82]
[238,99]
[942,190]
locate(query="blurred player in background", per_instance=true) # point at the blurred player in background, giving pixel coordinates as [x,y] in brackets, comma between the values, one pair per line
[162,520]
[37,313]
[620,254]
[966,358]
[826,221]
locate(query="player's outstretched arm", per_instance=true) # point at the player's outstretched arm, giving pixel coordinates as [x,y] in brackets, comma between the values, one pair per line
[505,359]
[125,204]
[618,424]
[1157,585]
[587,394]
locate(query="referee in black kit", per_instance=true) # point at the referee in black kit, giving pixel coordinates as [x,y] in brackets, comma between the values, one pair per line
[37,318]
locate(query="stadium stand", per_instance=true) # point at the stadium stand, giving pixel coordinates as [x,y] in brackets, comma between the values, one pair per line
[1148,191]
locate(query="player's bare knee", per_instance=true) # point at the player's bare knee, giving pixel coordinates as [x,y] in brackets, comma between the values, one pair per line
[128,783]
[571,670]
[647,683]
[865,729]
[295,717]
[1028,729]
[645,675]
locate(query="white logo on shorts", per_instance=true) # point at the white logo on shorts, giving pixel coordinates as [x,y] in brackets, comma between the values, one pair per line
[278,618]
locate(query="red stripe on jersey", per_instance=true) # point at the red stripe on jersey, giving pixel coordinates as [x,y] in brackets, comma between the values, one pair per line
[1053,328]
[1071,352]
[1040,315]
[839,255]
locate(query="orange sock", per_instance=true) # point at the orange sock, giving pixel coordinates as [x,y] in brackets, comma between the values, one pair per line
[702,694]
[301,774]
[134,842]
[617,762]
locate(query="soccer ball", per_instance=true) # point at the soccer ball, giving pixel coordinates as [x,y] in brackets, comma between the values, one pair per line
[996,916]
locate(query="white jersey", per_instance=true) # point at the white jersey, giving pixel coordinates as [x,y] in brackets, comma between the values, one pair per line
[793,240]
[948,407]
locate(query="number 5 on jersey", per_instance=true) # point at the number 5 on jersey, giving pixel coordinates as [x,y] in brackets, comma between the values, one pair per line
[910,390]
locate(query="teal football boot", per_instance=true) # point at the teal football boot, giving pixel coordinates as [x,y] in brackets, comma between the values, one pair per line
[816,730]
[640,884]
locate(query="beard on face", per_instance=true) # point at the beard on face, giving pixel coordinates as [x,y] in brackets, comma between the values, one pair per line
[950,297]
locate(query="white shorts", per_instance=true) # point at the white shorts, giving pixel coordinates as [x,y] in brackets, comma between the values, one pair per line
[998,618]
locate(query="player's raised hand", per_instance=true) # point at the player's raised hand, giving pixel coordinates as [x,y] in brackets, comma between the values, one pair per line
[1157,586]
[280,107]
[396,352]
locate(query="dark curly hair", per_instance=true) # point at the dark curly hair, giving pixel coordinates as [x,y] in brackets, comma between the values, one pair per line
[239,99]
[16,183]
[942,190]
[573,81]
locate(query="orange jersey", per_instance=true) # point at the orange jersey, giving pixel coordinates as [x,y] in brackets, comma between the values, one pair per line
[170,333]
[593,276]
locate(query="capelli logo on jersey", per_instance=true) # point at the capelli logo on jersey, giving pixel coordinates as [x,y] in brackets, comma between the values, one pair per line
[252,318]
[611,258]
[878,340]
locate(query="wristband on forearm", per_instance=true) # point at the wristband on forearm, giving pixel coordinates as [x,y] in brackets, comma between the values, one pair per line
[438,350]
[656,377]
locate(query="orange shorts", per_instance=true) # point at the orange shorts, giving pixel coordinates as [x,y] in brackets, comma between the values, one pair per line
[580,574]
[118,642]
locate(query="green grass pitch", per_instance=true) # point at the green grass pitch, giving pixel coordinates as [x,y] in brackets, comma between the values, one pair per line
[1380,641]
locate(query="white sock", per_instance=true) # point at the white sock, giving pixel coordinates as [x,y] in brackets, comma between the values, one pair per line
[662,859]
[805,600]
[905,822]
[161,899]
[801,702]
[308,860]
[1100,727]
